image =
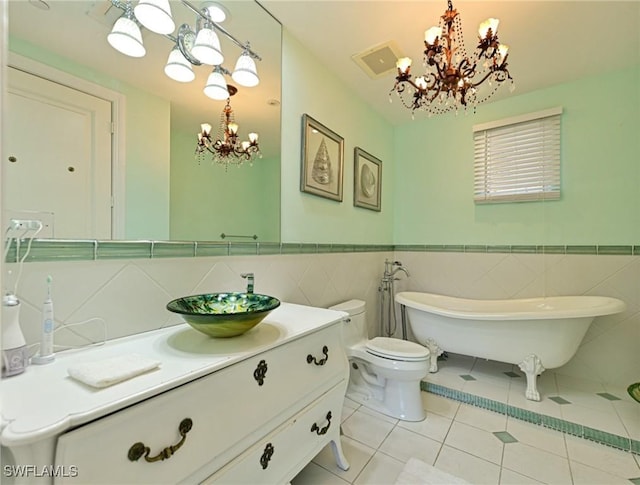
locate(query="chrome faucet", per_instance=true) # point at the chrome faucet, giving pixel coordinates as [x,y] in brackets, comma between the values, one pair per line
[250,281]
[392,267]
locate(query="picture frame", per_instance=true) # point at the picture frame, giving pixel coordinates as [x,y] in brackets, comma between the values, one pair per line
[322,168]
[367,180]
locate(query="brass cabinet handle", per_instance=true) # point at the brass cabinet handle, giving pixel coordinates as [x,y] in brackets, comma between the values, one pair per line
[139,449]
[323,361]
[260,372]
[266,456]
[315,428]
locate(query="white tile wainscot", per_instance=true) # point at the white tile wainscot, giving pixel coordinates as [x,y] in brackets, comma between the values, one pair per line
[266,427]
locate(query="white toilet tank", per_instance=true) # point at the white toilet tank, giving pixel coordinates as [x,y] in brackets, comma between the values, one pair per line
[354,330]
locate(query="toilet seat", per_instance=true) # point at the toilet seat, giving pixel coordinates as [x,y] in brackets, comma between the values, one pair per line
[393,348]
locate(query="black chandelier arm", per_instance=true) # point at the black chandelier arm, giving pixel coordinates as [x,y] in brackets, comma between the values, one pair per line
[501,71]
[487,43]
[243,153]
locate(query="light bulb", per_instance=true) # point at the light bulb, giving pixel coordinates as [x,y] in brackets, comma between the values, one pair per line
[404,63]
[245,72]
[178,67]
[155,15]
[206,128]
[125,37]
[490,23]
[216,87]
[206,47]
[431,34]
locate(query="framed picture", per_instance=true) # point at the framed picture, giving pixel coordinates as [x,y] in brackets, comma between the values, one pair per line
[367,180]
[322,160]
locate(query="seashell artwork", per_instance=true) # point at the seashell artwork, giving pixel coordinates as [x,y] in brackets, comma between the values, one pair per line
[367,181]
[321,170]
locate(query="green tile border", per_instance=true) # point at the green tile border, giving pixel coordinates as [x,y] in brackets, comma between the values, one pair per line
[610,250]
[567,427]
[87,250]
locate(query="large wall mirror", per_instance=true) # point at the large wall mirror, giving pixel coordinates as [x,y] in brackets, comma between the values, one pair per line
[90,128]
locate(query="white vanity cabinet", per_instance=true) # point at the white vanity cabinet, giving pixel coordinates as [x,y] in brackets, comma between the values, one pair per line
[251,409]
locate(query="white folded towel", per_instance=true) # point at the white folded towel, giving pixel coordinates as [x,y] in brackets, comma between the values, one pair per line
[106,372]
[417,472]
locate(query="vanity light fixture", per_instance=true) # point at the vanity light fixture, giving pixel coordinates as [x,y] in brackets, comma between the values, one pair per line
[453,79]
[206,47]
[155,15]
[227,149]
[191,46]
[217,12]
[126,36]
[216,87]
[178,67]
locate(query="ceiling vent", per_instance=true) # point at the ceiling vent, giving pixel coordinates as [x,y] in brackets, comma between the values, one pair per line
[380,60]
[105,12]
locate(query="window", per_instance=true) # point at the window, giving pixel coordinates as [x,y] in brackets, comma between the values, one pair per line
[518,159]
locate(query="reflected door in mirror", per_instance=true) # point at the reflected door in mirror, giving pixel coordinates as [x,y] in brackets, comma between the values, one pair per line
[58,146]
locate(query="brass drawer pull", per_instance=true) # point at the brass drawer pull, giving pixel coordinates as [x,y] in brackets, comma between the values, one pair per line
[266,456]
[138,449]
[315,428]
[260,372]
[323,361]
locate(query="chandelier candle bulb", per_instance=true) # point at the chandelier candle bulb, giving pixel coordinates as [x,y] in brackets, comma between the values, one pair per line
[432,34]
[502,50]
[489,26]
[404,64]
[253,137]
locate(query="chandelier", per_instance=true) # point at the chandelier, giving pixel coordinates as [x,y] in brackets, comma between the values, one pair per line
[227,149]
[453,80]
[191,46]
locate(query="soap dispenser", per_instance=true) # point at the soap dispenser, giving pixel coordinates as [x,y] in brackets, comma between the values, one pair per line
[14,347]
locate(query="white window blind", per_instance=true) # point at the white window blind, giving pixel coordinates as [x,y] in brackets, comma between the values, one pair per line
[518,159]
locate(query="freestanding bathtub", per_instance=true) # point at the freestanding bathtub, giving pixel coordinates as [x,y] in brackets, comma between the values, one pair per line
[534,333]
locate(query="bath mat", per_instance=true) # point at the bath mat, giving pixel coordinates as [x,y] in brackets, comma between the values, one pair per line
[417,472]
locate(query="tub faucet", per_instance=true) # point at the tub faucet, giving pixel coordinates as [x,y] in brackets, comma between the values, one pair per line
[250,280]
[392,267]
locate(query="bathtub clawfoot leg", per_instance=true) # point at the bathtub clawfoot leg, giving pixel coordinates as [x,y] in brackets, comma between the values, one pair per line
[434,352]
[532,367]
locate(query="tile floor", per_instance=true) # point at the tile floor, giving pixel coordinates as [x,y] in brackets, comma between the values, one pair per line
[484,447]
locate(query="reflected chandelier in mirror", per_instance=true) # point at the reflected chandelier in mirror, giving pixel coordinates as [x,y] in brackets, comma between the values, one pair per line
[151,185]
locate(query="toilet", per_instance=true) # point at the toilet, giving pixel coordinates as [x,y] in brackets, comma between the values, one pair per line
[385,373]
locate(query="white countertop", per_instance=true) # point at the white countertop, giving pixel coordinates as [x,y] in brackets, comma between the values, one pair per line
[44,401]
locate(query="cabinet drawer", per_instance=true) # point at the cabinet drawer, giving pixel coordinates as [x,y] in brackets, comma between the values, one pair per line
[278,457]
[229,411]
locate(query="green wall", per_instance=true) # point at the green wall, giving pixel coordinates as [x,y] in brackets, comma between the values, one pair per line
[147,146]
[308,87]
[207,201]
[600,169]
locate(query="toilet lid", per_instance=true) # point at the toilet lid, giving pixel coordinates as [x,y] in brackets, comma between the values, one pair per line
[396,348]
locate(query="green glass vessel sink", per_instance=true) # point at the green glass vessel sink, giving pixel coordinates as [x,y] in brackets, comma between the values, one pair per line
[224,314]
